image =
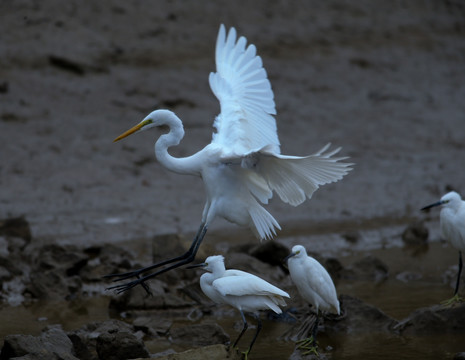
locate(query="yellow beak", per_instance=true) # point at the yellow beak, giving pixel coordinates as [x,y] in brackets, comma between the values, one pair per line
[129,132]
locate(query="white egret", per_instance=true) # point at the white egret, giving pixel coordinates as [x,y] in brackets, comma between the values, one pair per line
[452,223]
[315,285]
[242,166]
[244,291]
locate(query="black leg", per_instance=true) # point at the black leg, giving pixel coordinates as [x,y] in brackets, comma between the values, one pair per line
[186,258]
[458,275]
[259,327]
[315,327]
[244,328]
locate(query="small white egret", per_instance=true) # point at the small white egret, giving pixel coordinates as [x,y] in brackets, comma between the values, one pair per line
[242,166]
[315,285]
[244,291]
[452,223]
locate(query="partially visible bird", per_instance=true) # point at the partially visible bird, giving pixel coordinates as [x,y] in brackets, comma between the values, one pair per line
[315,286]
[452,223]
[242,166]
[240,289]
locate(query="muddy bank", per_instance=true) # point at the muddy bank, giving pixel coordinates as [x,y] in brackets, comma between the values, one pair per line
[384,81]
[179,322]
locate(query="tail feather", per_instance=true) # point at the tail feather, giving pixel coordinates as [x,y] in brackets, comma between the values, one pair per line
[263,224]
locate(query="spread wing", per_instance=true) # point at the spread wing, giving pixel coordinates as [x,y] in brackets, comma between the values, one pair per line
[293,178]
[246,121]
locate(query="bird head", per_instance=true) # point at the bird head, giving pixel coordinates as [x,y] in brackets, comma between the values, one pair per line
[298,251]
[451,199]
[211,263]
[154,119]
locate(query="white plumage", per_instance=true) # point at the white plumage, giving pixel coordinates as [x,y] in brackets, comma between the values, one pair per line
[452,223]
[315,286]
[313,281]
[242,166]
[242,290]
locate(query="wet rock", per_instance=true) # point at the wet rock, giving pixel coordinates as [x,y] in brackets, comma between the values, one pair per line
[208,352]
[154,326]
[52,284]
[199,334]
[359,317]
[415,234]
[85,339]
[270,252]
[53,343]
[351,237]
[120,345]
[69,259]
[109,259]
[55,272]
[16,227]
[434,319]
[10,265]
[334,268]
[369,268]
[459,356]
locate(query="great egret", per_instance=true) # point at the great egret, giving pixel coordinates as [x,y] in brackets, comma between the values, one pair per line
[242,166]
[452,222]
[244,291]
[315,286]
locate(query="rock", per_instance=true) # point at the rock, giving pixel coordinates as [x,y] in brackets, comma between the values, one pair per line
[199,334]
[415,234]
[53,284]
[16,227]
[208,352]
[459,356]
[120,345]
[68,258]
[351,237]
[114,257]
[436,319]
[270,252]
[359,317]
[334,268]
[155,326]
[53,343]
[368,268]
[55,272]
[86,338]
[81,349]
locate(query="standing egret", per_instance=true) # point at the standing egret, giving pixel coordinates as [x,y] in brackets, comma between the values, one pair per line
[244,291]
[452,222]
[242,166]
[315,285]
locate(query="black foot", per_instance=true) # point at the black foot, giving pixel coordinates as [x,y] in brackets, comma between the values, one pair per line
[119,289]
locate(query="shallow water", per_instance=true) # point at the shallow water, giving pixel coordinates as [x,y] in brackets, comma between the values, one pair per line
[414,281]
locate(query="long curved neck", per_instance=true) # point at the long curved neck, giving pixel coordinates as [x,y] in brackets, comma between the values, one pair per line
[172,138]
